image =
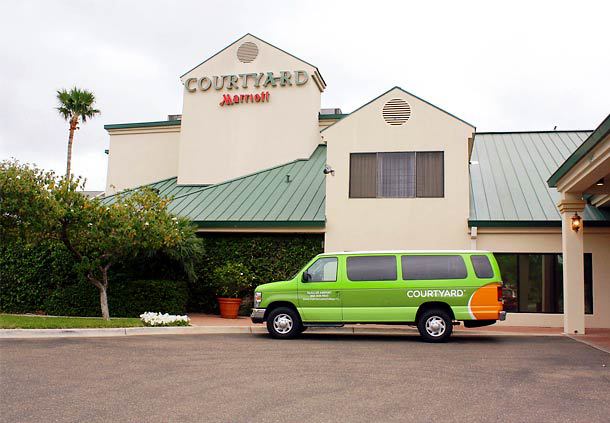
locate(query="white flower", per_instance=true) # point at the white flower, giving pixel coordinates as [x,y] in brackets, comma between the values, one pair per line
[145,223]
[158,319]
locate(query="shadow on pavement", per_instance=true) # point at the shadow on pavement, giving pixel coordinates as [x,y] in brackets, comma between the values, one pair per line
[456,339]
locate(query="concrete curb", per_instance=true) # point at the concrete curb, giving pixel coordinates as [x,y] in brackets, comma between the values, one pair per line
[186,330]
[60,333]
[143,331]
[210,330]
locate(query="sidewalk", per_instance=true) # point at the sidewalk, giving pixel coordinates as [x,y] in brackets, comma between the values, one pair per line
[213,324]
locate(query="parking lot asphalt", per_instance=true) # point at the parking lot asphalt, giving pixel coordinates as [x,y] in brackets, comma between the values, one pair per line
[317,378]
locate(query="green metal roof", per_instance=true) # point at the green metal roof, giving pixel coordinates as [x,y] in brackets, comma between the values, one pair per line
[508,188]
[595,138]
[508,174]
[176,122]
[262,199]
[336,116]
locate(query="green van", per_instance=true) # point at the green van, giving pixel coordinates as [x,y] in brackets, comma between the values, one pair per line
[430,289]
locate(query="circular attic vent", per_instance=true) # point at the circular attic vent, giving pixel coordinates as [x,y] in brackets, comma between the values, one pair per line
[247,52]
[396,111]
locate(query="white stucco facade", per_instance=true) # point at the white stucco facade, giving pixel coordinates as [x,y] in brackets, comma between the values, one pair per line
[245,137]
[395,223]
[140,156]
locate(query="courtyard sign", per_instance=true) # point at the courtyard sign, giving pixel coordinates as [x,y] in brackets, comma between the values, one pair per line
[230,82]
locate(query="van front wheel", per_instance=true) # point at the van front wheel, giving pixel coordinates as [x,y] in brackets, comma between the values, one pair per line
[284,322]
[435,325]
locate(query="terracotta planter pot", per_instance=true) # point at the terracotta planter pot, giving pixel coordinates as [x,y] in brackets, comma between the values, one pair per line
[229,307]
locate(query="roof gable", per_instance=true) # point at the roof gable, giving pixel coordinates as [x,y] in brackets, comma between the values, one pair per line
[250,37]
[346,117]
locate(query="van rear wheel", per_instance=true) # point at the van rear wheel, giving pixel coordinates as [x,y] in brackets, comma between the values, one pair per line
[284,323]
[435,325]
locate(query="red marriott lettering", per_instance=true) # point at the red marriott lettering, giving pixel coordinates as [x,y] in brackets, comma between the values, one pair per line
[228,99]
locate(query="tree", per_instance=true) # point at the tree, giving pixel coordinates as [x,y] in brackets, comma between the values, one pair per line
[75,105]
[26,201]
[98,233]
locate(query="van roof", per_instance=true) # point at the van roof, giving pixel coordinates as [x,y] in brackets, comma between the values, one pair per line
[408,252]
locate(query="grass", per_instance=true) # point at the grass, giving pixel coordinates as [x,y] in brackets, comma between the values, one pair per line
[12,321]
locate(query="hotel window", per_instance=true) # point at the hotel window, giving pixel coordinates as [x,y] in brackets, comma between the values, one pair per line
[533,283]
[397,175]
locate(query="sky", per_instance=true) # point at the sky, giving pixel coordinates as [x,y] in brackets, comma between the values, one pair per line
[500,65]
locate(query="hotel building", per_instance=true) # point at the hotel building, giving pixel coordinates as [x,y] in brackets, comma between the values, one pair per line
[252,152]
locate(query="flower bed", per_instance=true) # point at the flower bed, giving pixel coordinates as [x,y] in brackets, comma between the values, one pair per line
[159,319]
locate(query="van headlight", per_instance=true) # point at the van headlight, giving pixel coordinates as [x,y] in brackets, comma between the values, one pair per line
[258,297]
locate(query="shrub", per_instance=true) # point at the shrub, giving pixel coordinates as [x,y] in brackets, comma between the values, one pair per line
[232,280]
[125,298]
[269,258]
[30,273]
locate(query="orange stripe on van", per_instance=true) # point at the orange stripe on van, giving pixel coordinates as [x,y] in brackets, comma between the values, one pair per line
[484,304]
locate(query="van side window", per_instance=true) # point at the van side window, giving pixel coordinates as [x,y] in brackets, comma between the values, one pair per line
[420,267]
[371,268]
[323,270]
[482,267]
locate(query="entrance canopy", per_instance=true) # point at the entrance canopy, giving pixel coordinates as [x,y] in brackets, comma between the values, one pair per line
[587,170]
[583,180]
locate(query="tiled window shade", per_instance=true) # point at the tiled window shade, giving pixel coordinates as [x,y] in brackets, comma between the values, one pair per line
[430,174]
[396,175]
[363,175]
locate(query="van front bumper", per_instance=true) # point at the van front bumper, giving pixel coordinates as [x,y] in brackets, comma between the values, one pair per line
[502,315]
[258,315]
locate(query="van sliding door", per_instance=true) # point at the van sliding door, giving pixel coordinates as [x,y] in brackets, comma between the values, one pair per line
[372,292]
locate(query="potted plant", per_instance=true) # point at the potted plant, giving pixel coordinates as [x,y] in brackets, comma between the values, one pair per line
[231,283]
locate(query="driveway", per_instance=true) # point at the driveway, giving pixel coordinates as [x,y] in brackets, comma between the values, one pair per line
[251,378]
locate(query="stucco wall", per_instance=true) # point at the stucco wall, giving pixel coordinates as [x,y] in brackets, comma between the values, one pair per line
[596,242]
[141,156]
[397,223]
[223,142]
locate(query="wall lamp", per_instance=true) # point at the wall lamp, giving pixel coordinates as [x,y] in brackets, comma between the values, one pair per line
[576,222]
[328,169]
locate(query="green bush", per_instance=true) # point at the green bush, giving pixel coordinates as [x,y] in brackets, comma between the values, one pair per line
[267,258]
[231,280]
[125,298]
[30,273]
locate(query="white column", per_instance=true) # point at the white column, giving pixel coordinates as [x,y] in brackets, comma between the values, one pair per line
[473,238]
[573,265]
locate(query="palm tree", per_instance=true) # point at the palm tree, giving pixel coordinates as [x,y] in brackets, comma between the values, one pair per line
[74,105]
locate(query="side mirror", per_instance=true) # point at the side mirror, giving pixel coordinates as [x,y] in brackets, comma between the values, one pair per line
[306,277]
